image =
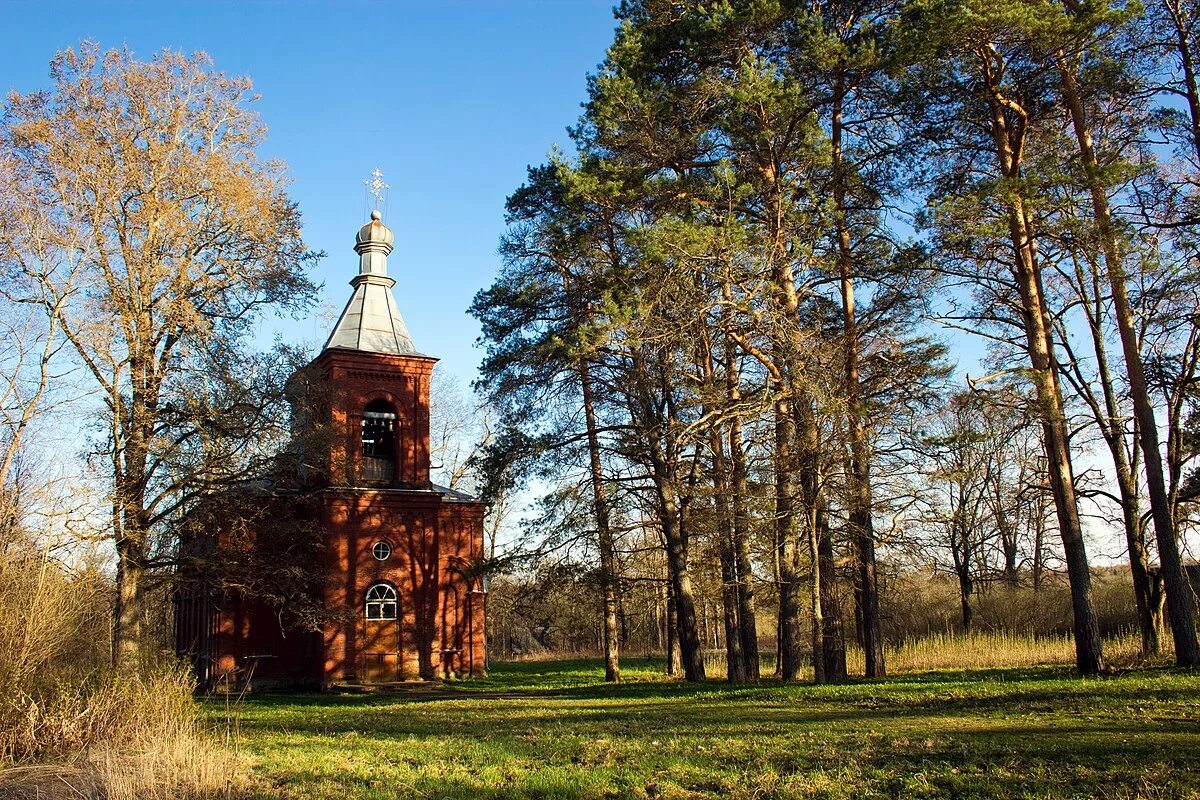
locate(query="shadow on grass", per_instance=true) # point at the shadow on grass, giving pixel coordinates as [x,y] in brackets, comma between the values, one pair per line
[582,679]
[505,706]
[555,729]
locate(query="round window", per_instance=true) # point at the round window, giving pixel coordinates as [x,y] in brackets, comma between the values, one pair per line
[381,550]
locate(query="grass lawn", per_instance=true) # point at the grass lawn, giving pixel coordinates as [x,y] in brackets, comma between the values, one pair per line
[553,729]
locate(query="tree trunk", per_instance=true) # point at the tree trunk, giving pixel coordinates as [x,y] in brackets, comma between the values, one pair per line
[787,542]
[1113,431]
[1139,568]
[966,588]
[674,654]
[660,623]
[735,662]
[859,473]
[1089,655]
[735,665]
[747,623]
[816,599]
[1038,521]
[681,585]
[1180,600]
[833,637]
[1089,652]
[961,525]
[127,609]
[787,377]
[704,624]
[1006,529]
[809,459]
[659,429]
[130,520]
[608,556]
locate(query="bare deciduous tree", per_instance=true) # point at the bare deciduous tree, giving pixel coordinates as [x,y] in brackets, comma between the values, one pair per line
[142,221]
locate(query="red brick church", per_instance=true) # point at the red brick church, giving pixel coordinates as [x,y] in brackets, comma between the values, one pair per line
[399,583]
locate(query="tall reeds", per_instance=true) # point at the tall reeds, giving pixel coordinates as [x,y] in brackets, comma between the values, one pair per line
[977,650]
[68,721]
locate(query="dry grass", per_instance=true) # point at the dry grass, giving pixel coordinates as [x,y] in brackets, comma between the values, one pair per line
[71,728]
[164,751]
[53,637]
[992,650]
[133,740]
[973,651]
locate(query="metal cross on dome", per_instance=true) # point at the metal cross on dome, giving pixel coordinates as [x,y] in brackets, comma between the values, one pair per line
[376,186]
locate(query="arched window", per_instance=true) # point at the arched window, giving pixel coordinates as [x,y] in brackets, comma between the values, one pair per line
[381,602]
[378,442]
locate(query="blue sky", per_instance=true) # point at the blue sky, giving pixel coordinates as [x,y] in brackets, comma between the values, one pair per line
[451,100]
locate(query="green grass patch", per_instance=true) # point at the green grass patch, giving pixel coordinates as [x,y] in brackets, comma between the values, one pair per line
[554,729]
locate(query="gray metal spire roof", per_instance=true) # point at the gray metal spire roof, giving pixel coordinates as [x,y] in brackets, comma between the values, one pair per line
[371,321]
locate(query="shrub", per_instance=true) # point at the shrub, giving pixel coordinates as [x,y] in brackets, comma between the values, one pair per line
[66,721]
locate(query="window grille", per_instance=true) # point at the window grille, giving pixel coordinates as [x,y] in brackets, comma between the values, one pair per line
[381,602]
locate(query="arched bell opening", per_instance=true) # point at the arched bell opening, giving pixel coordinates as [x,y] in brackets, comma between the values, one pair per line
[379,446]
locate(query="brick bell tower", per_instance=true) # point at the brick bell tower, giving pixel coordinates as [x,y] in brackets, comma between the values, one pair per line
[402,553]
[401,586]
[380,382]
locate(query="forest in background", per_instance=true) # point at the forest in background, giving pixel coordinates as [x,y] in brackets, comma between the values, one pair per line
[715,341]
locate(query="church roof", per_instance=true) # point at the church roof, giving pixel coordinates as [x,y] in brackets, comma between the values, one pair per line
[371,321]
[454,495]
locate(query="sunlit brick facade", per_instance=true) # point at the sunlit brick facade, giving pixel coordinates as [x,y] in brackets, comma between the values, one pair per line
[399,565]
